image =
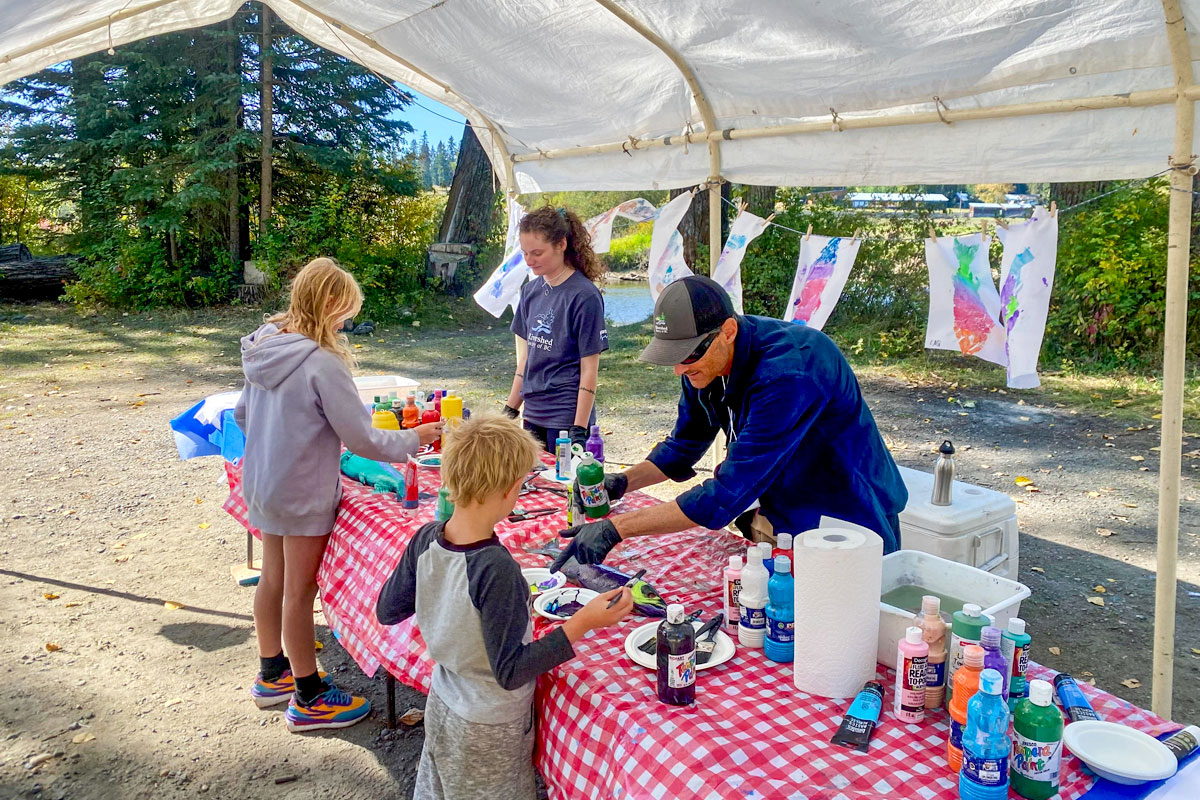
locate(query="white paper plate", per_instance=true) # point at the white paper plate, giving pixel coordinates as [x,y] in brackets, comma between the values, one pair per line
[535,576]
[550,474]
[1119,753]
[582,596]
[430,460]
[722,652]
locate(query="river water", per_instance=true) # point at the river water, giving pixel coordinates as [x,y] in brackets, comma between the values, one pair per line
[627,303]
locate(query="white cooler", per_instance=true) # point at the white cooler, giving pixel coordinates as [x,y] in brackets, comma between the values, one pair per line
[978,528]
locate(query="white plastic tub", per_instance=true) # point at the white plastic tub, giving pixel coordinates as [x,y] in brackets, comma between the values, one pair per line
[999,597]
[370,385]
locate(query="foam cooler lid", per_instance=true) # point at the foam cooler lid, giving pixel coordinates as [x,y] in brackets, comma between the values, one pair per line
[972,507]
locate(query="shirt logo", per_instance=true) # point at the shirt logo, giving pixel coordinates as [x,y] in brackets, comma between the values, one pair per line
[660,324]
[543,322]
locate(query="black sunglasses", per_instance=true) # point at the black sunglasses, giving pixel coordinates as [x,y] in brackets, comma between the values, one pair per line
[702,348]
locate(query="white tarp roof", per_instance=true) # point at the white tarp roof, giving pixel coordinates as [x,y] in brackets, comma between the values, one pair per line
[542,75]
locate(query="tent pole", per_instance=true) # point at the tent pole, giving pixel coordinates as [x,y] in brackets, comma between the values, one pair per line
[1174,353]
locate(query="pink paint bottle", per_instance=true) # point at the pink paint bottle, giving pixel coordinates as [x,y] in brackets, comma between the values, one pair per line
[733,591]
[912,660]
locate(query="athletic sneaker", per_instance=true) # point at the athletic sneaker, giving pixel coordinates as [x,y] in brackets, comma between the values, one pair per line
[333,708]
[272,693]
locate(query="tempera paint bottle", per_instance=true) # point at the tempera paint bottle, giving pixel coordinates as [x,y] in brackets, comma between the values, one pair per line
[1183,743]
[1074,701]
[595,444]
[933,631]
[733,589]
[967,629]
[985,742]
[1015,646]
[912,665]
[676,648]
[412,493]
[412,414]
[384,419]
[589,477]
[993,658]
[783,546]
[452,412]
[562,459]
[780,643]
[1037,744]
[861,718]
[966,684]
[433,413]
[767,559]
[752,601]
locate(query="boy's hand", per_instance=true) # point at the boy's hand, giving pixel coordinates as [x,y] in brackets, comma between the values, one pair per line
[430,432]
[597,614]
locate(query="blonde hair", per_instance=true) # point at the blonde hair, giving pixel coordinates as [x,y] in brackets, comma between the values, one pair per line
[485,456]
[322,293]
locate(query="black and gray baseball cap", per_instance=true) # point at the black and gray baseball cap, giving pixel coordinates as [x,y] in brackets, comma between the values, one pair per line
[687,310]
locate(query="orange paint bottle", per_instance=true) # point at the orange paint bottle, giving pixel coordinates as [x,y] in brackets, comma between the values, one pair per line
[966,684]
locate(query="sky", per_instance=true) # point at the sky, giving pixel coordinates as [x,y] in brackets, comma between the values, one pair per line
[426,115]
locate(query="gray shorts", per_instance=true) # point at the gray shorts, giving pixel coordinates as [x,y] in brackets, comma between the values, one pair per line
[465,760]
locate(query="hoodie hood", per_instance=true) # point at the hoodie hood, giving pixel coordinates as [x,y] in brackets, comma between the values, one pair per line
[269,357]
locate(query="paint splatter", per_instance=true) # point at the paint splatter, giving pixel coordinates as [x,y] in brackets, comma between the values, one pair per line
[972,323]
[817,275]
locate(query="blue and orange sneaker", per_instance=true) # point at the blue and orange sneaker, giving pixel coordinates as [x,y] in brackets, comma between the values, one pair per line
[333,708]
[272,693]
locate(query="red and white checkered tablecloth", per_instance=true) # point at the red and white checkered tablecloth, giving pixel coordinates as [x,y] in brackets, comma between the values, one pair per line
[603,733]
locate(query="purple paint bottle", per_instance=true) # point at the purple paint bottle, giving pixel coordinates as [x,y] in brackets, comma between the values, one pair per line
[993,658]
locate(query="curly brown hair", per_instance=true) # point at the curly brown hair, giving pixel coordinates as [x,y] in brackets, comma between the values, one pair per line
[557,224]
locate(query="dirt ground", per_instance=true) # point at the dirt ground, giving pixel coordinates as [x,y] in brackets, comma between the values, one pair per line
[115,694]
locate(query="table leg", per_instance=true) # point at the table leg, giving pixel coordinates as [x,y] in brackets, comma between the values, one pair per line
[249,550]
[391,702]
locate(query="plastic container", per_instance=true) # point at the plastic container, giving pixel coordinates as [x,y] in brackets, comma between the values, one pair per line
[912,665]
[1037,744]
[411,414]
[676,649]
[1015,646]
[383,418]
[595,444]
[780,642]
[733,589]
[752,602]
[933,632]
[1000,598]
[966,684]
[993,658]
[368,386]
[562,457]
[985,742]
[967,629]
[978,528]
[589,477]
[768,559]
[783,546]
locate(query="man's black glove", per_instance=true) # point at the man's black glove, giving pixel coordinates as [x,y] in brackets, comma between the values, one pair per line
[616,484]
[578,435]
[589,543]
[511,412]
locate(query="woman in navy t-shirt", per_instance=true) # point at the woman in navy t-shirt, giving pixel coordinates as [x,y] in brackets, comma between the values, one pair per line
[559,327]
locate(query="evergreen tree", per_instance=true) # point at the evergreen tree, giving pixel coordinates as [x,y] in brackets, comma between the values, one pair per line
[440,166]
[425,162]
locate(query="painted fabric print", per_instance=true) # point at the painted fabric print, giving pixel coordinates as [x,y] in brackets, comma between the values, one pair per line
[666,246]
[600,226]
[503,287]
[1026,281]
[822,270]
[964,306]
[744,230]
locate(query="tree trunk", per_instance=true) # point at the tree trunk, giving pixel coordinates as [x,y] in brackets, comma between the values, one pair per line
[233,65]
[694,226]
[472,195]
[1069,194]
[266,67]
[760,200]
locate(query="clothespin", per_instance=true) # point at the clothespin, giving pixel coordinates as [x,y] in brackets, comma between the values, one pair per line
[742,204]
[932,233]
[1003,223]
[767,221]
[857,231]
[809,232]
[983,227]
[1053,209]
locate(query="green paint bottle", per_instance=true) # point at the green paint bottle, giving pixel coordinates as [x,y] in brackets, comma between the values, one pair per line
[1037,744]
[589,476]
[967,629]
[1015,646]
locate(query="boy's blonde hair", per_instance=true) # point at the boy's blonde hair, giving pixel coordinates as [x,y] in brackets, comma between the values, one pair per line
[485,456]
[322,293]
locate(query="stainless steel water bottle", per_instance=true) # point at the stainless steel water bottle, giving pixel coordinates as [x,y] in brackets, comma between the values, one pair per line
[943,475]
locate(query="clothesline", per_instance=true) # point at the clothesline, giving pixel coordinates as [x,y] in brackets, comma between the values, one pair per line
[1069,208]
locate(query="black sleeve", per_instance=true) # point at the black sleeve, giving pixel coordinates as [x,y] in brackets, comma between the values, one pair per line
[500,593]
[398,597]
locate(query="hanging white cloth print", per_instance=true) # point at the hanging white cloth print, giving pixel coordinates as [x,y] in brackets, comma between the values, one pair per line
[744,230]
[964,306]
[666,246]
[599,227]
[1026,280]
[821,273]
[503,287]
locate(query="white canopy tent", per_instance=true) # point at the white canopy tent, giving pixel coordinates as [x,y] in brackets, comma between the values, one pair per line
[636,94]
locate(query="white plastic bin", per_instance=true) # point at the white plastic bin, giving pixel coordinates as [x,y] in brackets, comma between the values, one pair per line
[370,385]
[978,528]
[999,597]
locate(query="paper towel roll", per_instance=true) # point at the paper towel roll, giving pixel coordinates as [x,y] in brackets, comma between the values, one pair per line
[838,576]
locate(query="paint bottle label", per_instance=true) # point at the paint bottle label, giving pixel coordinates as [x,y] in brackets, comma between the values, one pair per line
[1037,761]
[733,593]
[1020,661]
[986,771]
[935,674]
[910,699]
[780,631]
[754,617]
[957,645]
[681,670]
[956,733]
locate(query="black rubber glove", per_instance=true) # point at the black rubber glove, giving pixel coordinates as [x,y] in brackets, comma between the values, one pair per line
[616,484]
[589,544]
[511,412]
[578,435]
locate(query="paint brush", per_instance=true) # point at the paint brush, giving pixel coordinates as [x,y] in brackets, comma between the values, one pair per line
[628,583]
[706,641]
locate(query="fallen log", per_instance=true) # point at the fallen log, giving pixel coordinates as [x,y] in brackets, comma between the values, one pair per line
[15,252]
[39,278]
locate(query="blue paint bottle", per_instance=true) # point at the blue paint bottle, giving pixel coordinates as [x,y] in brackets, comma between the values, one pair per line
[780,643]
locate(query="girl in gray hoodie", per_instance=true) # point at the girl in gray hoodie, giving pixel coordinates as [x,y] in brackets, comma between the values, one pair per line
[297,408]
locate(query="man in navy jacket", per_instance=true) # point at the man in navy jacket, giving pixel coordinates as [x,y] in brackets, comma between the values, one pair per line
[802,441]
